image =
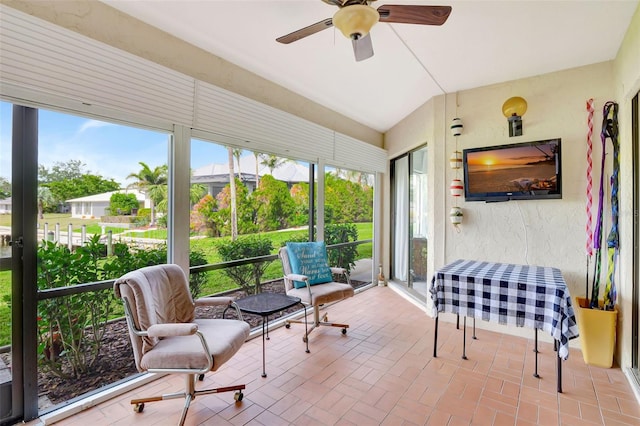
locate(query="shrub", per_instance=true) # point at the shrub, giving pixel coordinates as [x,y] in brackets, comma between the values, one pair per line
[121,203]
[71,327]
[343,257]
[246,276]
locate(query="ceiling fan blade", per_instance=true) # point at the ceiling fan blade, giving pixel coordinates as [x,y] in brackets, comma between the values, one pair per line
[306,31]
[408,14]
[362,48]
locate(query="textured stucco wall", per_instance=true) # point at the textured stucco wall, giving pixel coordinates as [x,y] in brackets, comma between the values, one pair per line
[544,232]
[627,85]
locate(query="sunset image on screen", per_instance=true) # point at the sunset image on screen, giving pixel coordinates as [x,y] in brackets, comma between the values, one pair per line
[512,169]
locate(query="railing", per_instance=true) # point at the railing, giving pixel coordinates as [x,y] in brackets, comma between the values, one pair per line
[106,284]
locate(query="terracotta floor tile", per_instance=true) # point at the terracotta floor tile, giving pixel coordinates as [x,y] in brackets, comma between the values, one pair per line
[383,373]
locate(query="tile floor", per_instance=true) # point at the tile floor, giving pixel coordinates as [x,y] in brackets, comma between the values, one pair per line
[383,373]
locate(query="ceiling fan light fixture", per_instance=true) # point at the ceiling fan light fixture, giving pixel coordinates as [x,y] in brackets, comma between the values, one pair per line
[355,21]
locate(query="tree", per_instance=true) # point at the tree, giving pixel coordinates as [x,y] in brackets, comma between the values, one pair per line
[72,169]
[245,209]
[347,201]
[237,153]
[81,186]
[274,204]
[232,186]
[272,162]
[300,195]
[152,183]
[5,188]
[257,155]
[70,180]
[45,199]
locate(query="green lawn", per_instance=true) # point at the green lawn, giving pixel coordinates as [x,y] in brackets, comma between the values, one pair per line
[217,281]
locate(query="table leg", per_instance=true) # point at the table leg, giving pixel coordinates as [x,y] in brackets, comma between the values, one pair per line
[535,374]
[435,339]
[464,339]
[264,372]
[457,321]
[267,327]
[306,332]
[474,329]
[559,369]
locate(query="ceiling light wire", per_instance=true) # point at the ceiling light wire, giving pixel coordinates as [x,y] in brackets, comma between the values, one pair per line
[444,92]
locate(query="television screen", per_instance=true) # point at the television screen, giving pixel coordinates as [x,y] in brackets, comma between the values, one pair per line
[530,170]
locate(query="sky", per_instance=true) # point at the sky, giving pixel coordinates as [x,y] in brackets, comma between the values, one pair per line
[107,149]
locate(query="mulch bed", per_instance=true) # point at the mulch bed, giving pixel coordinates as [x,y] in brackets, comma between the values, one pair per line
[116,359]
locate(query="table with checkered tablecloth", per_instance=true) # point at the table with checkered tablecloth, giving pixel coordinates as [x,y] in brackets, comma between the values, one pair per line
[521,295]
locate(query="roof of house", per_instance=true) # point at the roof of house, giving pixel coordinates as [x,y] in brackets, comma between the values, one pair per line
[289,171]
[106,196]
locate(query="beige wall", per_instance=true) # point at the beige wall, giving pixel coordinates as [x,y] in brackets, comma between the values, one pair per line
[545,232]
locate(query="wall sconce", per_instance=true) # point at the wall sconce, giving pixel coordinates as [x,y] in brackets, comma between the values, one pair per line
[514,108]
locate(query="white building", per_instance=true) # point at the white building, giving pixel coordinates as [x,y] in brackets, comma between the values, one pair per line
[94,206]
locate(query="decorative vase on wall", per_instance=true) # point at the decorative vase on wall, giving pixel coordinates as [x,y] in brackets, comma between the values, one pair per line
[455,161]
[457,188]
[456,215]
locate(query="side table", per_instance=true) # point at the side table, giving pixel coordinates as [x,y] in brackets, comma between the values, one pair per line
[265,304]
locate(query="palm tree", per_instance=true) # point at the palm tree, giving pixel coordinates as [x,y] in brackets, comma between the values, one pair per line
[272,162]
[232,187]
[236,154]
[45,199]
[152,183]
[257,155]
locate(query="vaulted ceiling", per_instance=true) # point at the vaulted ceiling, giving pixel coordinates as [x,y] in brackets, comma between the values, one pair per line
[481,43]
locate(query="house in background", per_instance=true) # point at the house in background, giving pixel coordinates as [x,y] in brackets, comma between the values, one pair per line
[94,206]
[5,206]
[216,176]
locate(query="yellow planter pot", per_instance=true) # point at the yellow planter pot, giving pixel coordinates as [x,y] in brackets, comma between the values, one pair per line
[597,333]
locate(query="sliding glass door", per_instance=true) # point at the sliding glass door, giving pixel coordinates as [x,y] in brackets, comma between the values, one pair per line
[409,238]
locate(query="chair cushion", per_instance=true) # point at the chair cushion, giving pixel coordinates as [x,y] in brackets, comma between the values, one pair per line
[224,337]
[323,293]
[309,259]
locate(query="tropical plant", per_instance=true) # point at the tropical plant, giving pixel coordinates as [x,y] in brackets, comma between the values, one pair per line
[274,204]
[343,257]
[272,162]
[246,276]
[152,183]
[245,208]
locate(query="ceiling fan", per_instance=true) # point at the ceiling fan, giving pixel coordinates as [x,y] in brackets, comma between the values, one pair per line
[355,18]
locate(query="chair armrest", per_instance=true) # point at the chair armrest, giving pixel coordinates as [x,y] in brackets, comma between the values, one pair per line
[169,330]
[214,301]
[296,277]
[339,271]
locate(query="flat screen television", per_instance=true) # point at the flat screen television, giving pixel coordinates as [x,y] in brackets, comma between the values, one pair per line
[520,171]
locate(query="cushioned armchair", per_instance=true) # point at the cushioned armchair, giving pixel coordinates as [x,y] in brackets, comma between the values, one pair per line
[165,335]
[308,276]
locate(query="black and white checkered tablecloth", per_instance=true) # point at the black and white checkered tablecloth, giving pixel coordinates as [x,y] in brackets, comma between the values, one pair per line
[520,295]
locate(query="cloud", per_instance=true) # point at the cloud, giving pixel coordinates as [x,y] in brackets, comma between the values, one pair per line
[90,124]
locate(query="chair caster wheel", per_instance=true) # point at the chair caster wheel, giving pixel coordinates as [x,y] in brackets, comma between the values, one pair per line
[201,377]
[238,396]
[287,325]
[344,331]
[138,407]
